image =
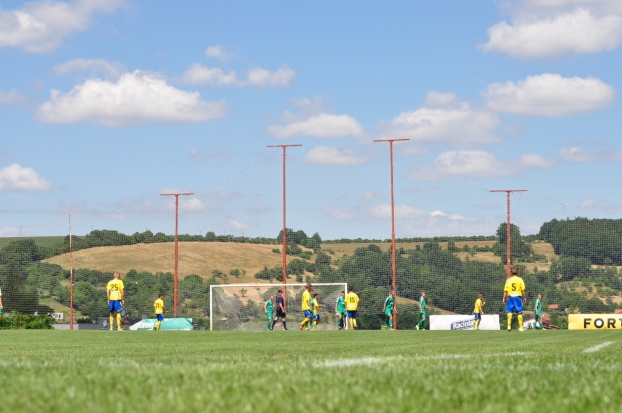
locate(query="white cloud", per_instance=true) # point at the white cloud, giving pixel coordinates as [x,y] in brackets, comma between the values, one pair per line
[549,29]
[578,154]
[191,204]
[340,213]
[324,126]
[260,77]
[218,52]
[41,26]
[333,156]
[591,204]
[9,232]
[112,70]
[453,217]
[549,95]
[444,120]
[239,225]
[17,178]
[198,74]
[135,98]
[401,211]
[477,163]
[12,98]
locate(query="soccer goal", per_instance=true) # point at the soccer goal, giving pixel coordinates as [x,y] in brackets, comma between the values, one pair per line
[241,306]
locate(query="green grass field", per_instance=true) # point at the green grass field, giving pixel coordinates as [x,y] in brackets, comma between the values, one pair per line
[322,371]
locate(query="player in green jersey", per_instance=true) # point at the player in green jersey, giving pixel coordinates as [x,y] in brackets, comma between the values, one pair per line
[537,313]
[422,312]
[268,307]
[389,308]
[340,311]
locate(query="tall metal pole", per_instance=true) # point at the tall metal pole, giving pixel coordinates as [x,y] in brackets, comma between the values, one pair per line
[393,260]
[284,263]
[508,225]
[70,278]
[176,275]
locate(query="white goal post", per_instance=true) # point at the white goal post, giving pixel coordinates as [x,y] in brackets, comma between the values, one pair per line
[241,306]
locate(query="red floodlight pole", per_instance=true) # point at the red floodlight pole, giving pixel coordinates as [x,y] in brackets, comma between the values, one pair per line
[508,259]
[393,264]
[71,278]
[176,275]
[284,218]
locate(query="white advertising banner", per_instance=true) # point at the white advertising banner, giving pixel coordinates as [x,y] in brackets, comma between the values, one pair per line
[463,322]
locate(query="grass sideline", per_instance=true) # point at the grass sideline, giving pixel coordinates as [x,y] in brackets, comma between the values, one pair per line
[364,371]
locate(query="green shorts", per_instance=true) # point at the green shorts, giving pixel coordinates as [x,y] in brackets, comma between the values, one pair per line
[423,315]
[538,315]
[270,317]
[343,313]
[388,312]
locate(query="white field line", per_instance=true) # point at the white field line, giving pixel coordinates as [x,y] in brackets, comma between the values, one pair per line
[598,347]
[366,361]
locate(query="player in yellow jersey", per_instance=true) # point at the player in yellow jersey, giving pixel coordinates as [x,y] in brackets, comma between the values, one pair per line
[316,310]
[306,307]
[114,293]
[478,311]
[159,311]
[514,297]
[352,305]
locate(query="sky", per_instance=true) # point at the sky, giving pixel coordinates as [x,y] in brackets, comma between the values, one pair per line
[106,104]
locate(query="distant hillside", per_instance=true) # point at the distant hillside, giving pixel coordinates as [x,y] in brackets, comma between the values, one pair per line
[200,258]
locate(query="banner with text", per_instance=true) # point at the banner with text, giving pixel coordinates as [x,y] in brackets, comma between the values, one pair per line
[167,324]
[463,322]
[594,321]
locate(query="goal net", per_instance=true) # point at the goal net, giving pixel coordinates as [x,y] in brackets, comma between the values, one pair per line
[241,306]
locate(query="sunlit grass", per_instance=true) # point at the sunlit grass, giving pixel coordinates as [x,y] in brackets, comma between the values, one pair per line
[362,371]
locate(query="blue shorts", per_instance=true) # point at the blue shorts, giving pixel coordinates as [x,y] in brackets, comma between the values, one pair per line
[316,317]
[478,316]
[514,305]
[115,306]
[307,314]
[351,314]
[160,317]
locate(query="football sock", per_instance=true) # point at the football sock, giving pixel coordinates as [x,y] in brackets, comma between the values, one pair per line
[391,323]
[520,321]
[119,321]
[157,325]
[340,323]
[284,324]
[111,321]
[268,325]
[509,321]
[273,323]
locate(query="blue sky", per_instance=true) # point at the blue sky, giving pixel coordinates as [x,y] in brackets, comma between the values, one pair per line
[105,104]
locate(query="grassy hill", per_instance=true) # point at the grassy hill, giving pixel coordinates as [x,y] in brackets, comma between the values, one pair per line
[200,258]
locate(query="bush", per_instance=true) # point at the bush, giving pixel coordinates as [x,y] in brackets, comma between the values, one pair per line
[34,322]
